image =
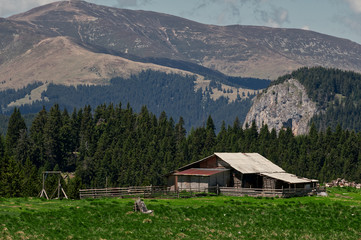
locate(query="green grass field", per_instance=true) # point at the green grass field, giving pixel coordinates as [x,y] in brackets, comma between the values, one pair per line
[335,217]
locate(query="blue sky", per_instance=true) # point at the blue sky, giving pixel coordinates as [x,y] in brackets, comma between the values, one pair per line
[341,18]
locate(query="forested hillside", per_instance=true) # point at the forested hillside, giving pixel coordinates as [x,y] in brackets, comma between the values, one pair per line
[127,148]
[337,93]
[172,93]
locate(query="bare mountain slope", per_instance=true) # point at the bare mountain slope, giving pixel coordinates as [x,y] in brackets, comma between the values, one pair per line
[59,60]
[246,51]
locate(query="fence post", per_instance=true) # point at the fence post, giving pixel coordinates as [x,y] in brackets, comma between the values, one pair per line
[217,190]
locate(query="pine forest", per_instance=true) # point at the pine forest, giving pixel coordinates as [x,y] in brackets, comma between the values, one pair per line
[114,146]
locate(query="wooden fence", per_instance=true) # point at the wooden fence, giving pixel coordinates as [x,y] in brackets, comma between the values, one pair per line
[261,192]
[144,191]
[163,191]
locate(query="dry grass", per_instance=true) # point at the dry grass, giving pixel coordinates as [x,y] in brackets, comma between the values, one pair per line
[59,60]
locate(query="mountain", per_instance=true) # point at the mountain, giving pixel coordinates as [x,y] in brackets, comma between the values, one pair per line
[325,97]
[246,51]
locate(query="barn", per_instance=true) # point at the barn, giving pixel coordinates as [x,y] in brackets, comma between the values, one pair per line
[236,170]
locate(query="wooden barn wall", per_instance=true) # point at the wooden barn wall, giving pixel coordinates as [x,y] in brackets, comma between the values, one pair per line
[209,163]
[237,179]
[193,182]
[252,181]
[212,162]
[222,164]
[221,179]
[269,183]
[171,181]
[246,180]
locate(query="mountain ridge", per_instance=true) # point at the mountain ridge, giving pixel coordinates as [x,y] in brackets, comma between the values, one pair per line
[261,52]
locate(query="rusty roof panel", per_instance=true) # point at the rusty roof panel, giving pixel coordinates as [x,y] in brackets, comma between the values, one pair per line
[200,171]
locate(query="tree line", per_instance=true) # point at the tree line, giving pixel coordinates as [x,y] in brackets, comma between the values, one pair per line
[113,145]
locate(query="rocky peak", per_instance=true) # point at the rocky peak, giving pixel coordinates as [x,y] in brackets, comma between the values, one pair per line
[281,106]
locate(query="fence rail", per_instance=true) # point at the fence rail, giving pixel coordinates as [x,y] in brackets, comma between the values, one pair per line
[145,191]
[163,191]
[261,192]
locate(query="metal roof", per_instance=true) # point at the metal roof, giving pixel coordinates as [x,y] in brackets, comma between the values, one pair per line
[249,163]
[201,171]
[288,177]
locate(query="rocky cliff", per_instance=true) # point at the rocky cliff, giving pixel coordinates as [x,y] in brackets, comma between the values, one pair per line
[283,105]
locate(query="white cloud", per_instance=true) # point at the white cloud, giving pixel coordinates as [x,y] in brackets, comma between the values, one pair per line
[10,7]
[306,28]
[355,5]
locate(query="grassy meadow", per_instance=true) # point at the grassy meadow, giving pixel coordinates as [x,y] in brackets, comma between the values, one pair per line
[335,217]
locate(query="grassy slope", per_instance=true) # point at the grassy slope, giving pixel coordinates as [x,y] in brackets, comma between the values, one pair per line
[334,217]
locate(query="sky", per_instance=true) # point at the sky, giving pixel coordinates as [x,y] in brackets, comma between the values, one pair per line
[340,18]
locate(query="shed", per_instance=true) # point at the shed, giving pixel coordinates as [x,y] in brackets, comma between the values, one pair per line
[239,170]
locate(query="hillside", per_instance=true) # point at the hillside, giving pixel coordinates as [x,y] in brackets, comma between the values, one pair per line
[61,61]
[184,95]
[325,97]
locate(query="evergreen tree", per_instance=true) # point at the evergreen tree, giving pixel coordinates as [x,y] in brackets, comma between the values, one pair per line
[15,127]
[10,177]
[210,140]
[37,140]
[30,181]
[52,139]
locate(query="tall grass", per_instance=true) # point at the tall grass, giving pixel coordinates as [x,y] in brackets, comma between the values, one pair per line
[334,217]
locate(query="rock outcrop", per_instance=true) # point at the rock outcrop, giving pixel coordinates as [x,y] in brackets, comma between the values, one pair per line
[283,105]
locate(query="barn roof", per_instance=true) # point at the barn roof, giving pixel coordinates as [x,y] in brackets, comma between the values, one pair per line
[289,178]
[244,162]
[249,162]
[201,172]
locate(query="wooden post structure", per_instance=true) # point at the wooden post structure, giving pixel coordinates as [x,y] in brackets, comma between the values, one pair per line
[43,192]
[59,188]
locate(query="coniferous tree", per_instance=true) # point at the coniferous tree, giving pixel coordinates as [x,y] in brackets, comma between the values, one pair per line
[30,181]
[22,150]
[66,143]
[15,127]
[10,177]
[52,139]
[210,140]
[37,150]
[2,146]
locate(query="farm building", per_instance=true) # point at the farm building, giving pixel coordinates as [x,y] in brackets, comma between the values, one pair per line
[237,170]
